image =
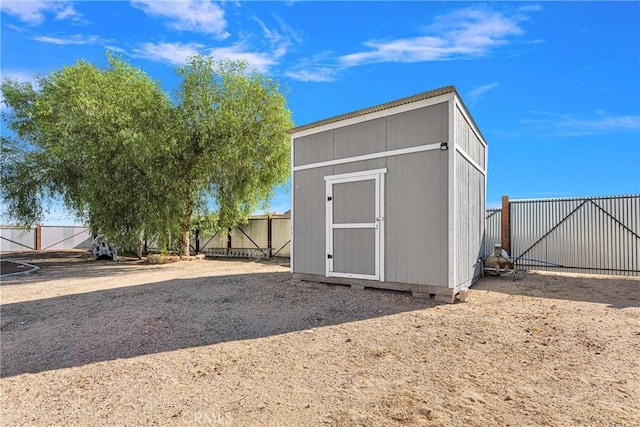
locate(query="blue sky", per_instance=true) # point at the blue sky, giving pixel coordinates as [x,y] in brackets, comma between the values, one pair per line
[553,86]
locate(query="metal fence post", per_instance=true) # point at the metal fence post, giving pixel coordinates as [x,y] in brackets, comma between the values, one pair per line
[506,225]
[269,245]
[38,237]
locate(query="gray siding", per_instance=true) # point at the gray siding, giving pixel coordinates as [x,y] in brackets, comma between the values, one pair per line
[428,125]
[359,139]
[469,190]
[313,148]
[309,228]
[470,211]
[468,140]
[416,203]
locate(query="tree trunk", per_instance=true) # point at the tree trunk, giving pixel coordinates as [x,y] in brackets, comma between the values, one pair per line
[186,225]
[139,249]
[186,222]
[184,243]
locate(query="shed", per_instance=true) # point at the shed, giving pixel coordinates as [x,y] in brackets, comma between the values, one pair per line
[392,197]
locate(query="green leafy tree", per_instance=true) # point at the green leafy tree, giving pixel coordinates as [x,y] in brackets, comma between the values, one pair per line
[128,161]
[96,138]
[234,146]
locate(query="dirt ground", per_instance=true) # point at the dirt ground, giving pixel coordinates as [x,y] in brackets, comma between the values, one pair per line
[230,342]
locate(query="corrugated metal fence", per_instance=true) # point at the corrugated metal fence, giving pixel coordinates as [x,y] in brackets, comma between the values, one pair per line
[261,237]
[598,235]
[16,239]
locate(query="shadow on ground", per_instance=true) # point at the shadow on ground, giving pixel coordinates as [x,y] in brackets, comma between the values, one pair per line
[55,265]
[78,329]
[614,292]
[76,264]
[82,328]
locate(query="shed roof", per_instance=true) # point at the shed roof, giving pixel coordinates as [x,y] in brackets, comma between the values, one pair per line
[380,107]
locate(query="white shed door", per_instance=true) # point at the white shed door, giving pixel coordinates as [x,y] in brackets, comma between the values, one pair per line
[355,225]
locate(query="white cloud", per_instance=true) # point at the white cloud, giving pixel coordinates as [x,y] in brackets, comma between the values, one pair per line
[530,8]
[191,15]
[312,74]
[318,68]
[34,12]
[76,39]
[173,53]
[474,95]
[17,28]
[115,48]
[260,61]
[67,12]
[466,33]
[568,125]
[28,12]
[179,54]
[261,52]
[280,39]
